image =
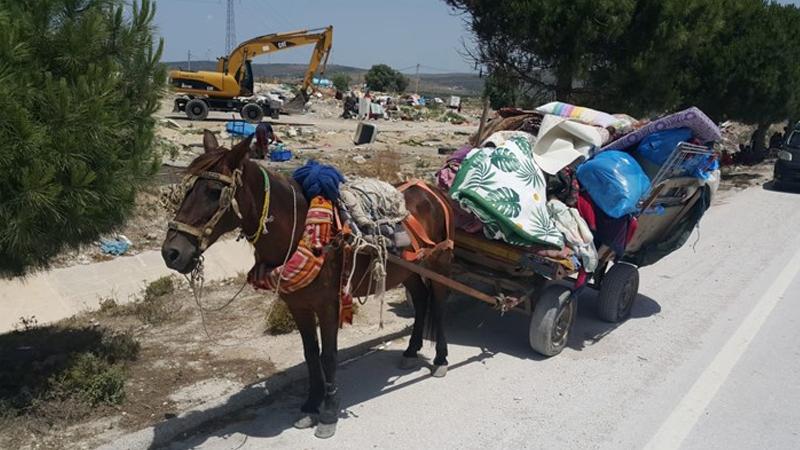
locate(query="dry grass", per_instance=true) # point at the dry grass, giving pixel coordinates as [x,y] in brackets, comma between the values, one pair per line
[384,165]
[155,306]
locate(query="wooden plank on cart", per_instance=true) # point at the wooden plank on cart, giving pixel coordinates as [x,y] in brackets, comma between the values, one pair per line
[441,279]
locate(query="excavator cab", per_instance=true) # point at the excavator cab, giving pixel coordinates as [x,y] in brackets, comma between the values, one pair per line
[247,81]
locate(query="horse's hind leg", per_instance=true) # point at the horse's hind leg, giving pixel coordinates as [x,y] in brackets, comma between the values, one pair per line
[438,298]
[419,296]
[306,324]
[329,329]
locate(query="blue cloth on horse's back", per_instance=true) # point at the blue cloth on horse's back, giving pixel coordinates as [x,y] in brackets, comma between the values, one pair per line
[319,179]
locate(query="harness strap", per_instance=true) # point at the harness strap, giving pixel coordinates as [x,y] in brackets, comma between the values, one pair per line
[226,201]
[417,232]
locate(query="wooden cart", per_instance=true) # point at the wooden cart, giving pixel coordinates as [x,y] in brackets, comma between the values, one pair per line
[524,282]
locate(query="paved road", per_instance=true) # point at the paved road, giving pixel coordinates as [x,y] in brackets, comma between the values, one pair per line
[708,360]
[52,295]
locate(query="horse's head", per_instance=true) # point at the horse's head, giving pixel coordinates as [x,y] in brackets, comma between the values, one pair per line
[209,208]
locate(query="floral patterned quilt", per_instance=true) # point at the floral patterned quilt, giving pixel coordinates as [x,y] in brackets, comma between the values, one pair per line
[507,191]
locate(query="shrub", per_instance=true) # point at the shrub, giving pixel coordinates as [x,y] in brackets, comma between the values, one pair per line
[381,77]
[79,83]
[341,81]
[93,380]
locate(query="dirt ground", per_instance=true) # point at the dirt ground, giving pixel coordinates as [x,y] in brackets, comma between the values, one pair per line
[178,365]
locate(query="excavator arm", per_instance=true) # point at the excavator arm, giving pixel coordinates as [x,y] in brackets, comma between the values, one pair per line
[247,50]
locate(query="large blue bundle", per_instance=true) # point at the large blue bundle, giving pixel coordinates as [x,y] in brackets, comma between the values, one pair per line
[614,181]
[658,146]
[319,179]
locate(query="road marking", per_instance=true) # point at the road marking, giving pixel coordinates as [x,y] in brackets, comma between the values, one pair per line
[684,417]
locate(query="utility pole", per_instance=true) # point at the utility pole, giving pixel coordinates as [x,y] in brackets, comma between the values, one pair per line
[189,59]
[416,88]
[230,30]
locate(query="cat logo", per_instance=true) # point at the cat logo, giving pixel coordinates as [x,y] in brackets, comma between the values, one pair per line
[281,44]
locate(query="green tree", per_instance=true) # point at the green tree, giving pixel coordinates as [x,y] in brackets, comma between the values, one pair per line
[79,83]
[381,77]
[735,59]
[341,81]
[549,45]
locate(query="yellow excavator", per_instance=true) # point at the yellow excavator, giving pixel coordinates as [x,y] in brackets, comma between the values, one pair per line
[230,86]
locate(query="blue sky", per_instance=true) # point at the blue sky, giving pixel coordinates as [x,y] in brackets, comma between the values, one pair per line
[401,33]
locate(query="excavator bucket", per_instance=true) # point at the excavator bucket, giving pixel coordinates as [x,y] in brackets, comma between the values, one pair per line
[297,104]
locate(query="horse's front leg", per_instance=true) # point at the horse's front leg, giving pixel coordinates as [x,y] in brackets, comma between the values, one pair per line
[306,324]
[328,315]
[420,297]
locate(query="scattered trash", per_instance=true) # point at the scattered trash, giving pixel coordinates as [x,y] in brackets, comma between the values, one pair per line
[116,246]
[292,132]
[365,133]
[358,159]
[169,123]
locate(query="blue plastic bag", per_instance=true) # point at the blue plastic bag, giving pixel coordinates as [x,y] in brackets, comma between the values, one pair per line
[657,147]
[280,154]
[240,128]
[614,181]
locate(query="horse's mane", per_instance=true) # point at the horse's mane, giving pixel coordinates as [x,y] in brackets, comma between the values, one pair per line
[206,161]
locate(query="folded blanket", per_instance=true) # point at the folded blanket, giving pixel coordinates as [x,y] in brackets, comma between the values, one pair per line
[506,190]
[586,115]
[702,126]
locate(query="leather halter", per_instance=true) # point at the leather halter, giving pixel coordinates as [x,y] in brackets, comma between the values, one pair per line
[227,200]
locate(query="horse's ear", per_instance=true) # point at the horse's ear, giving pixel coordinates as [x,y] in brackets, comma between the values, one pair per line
[239,152]
[209,141]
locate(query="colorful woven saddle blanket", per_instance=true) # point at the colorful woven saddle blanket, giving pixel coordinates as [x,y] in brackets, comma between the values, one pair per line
[304,264]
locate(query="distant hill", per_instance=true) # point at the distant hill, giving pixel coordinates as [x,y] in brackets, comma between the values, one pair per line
[466,84]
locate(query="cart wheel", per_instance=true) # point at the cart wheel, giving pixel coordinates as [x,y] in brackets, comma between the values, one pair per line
[618,291]
[552,319]
[196,109]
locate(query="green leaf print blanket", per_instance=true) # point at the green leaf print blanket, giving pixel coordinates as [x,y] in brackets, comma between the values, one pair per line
[506,190]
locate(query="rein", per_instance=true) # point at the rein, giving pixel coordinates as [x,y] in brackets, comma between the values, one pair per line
[196,279]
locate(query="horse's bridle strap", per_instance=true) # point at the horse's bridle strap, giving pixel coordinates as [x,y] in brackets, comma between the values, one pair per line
[184,228]
[226,200]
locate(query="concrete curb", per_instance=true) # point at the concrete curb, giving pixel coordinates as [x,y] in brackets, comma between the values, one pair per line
[166,431]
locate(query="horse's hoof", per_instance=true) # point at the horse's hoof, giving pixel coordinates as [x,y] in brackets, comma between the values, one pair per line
[407,363]
[439,371]
[305,422]
[325,430]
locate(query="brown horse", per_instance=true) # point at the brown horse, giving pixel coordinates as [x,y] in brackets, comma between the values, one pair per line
[229,192]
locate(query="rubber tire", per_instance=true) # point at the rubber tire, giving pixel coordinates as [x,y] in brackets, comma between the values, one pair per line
[552,303]
[618,292]
[252,112]
[196,109]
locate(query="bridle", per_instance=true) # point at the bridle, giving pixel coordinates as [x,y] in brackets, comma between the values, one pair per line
[227,200]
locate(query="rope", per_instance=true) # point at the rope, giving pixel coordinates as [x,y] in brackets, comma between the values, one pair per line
[196,279]
[262,221]
[288,251]
[377,269]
